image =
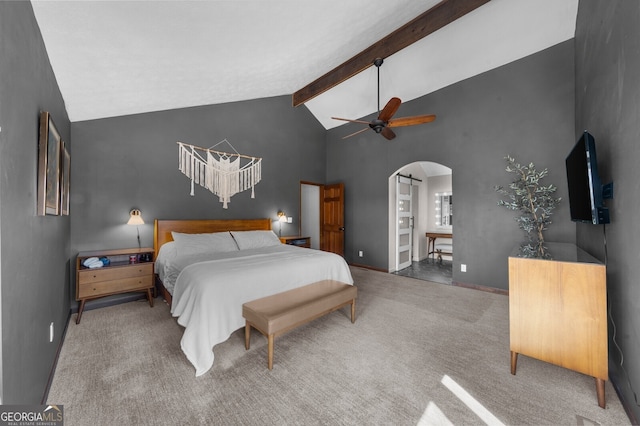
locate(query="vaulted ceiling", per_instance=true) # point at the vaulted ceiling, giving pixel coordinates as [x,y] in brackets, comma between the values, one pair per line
[115,58]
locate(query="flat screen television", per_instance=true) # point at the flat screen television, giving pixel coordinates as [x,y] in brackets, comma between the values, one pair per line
[586,193]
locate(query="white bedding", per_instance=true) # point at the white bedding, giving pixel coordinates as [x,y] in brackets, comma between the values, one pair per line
[211,288]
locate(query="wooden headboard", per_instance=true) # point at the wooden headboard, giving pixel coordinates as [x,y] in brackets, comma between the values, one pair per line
[162,228]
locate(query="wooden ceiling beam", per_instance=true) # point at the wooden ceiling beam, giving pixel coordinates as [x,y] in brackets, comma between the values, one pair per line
[430,21]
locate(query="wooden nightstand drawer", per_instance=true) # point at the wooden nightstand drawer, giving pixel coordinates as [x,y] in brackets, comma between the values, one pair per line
[115,273]
[103,288]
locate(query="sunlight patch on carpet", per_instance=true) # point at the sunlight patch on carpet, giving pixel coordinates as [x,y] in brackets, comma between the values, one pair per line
[433,416]
[471,402]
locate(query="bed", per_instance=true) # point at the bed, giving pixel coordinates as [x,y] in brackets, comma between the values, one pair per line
[207,269]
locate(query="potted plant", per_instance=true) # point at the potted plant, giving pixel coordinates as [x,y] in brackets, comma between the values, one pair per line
[534,200]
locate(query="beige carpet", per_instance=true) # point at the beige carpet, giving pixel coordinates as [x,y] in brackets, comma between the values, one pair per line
[419,353]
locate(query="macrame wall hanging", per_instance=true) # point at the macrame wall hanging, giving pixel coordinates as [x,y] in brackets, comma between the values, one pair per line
[222,173]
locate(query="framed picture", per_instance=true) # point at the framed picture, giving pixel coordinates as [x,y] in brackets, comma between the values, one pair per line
[48,167]
[65,158]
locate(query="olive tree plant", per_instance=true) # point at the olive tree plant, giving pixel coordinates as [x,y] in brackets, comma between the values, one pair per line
[535,202]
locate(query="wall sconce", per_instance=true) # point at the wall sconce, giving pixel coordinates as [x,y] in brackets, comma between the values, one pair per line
[135,218]
[282,217]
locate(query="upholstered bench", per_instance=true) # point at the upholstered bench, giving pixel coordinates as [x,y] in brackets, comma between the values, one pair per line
[443,248]
[277,314]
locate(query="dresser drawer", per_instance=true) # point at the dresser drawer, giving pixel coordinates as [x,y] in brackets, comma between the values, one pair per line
[89,290]
[115,273]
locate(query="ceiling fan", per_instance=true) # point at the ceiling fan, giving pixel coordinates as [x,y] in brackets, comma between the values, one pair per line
[384,122]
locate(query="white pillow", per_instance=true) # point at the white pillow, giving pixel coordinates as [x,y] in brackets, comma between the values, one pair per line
[166,254]
[215,242]
[255,239]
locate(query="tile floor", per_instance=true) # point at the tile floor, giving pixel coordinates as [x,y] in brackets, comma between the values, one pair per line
[429,270]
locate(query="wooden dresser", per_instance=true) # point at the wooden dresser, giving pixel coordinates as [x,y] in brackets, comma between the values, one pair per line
[128,270]
[558,311]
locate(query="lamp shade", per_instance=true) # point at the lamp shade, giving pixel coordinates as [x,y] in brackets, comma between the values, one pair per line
[135,218]
[282,217]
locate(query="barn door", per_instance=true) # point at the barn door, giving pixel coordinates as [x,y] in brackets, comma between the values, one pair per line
[404,222]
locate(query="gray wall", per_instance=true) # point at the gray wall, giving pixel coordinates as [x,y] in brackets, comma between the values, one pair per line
[34,249]
[532,109]
[524,109]
[132,161]
[608,106]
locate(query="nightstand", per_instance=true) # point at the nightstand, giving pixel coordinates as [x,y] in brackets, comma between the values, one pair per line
[297,241]
[128,271]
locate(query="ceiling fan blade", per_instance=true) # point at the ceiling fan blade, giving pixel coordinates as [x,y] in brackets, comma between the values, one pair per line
[388,133]
[389,109]
[411,121]
[355,133]
[351,121]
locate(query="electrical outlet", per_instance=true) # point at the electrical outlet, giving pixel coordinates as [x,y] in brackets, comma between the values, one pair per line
[360,253]
[50,332]
[463,267]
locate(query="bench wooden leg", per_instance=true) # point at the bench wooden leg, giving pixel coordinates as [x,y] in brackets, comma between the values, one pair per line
[353,311]
[247,335]
[514,362]
[270,348]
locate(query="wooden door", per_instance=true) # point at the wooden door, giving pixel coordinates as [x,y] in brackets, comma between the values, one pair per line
[332,219]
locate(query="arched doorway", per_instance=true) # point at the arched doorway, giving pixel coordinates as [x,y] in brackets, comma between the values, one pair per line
[422,188]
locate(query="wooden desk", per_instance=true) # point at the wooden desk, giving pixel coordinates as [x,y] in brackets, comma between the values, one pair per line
[431,240]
